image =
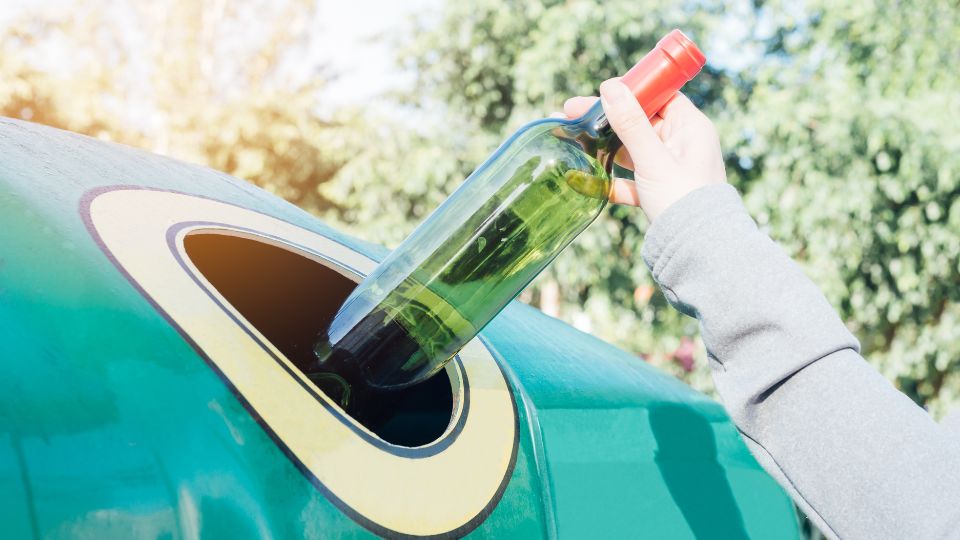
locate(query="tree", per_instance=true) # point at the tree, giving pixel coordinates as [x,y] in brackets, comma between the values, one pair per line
[202,81]
[491,65]
[845,143]
[836,120]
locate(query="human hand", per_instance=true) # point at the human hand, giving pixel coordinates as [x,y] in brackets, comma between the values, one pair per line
[672,154]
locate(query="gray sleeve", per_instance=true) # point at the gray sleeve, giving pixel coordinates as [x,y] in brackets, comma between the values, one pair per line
[951,424]
[859,457]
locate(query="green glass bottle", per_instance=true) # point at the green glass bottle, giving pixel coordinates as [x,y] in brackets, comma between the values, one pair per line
[485,243]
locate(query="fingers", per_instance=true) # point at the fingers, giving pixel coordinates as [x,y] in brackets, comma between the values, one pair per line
[576,106]
[623,191]
[633,127]
[623,159]
[678,103]
[681,108]
[658,126]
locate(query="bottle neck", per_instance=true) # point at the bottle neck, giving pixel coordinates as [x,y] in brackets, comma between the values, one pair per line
[595,121]
[596,137]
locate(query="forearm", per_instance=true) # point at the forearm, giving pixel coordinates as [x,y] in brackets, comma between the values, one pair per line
[853,451]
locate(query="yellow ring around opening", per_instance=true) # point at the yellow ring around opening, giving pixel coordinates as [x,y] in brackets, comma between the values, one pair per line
[428,495]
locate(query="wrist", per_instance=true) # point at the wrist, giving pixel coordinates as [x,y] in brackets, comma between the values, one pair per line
[690,216]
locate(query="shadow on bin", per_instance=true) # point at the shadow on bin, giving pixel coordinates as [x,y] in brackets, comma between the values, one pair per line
[687,458]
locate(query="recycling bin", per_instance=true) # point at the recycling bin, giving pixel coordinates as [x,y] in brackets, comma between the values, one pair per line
[156,317]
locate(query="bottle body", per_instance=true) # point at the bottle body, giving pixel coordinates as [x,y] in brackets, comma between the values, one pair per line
[469,259]
[484,244]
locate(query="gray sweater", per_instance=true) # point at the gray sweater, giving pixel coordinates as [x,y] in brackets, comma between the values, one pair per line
[859,457]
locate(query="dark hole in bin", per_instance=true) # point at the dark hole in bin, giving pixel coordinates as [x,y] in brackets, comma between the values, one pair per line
[289,297]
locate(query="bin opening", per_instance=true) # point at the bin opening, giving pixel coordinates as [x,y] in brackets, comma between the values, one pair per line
[289,295]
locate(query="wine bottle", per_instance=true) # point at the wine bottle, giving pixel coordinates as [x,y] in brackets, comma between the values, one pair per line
[476,252]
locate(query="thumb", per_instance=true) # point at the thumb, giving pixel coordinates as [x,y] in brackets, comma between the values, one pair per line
[632,126]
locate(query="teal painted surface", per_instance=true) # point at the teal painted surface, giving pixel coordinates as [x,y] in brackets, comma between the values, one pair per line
[628,449]
[111,425]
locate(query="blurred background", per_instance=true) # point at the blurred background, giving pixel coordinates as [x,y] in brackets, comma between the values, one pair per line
[839,123]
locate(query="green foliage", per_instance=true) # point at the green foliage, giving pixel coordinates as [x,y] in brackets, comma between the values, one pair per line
[838,122]
[183,86]
[839,131]
[849,127]
[491,66]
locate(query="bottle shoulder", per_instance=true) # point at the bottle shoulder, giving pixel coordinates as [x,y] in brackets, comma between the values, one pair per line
[551,138]
[556,127]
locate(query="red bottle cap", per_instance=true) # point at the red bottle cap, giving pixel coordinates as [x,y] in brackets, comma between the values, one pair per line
[657,77]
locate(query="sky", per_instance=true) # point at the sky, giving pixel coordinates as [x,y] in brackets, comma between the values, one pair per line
[364,28]
[351,38]
[354,40]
